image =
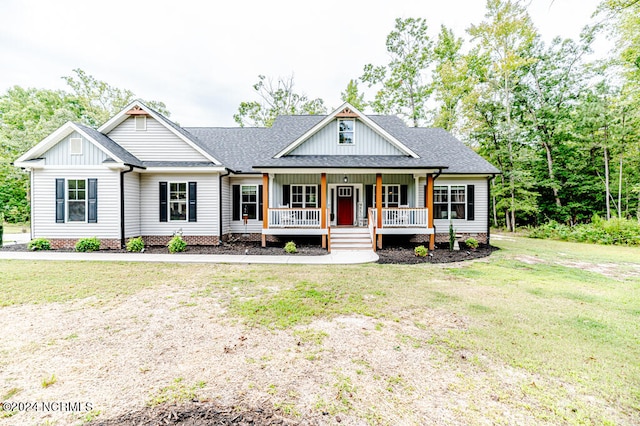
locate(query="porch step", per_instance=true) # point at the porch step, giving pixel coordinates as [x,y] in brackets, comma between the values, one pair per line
[350,239]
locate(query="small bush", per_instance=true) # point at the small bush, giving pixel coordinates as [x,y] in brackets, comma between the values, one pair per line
[290,247]
[176,244]
[421,251]
[88,244]
[614,231]
[39,244]
[452,236]
[135,245]
[472,243]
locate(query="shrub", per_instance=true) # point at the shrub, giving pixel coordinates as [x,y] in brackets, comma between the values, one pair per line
[88,244]
[176,244]
[452,236]
[39,244]
[290,247]
[599,231]
[421,251]
[472,243]
[135,245]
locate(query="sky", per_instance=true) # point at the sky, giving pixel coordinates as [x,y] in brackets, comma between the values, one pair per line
[201,58]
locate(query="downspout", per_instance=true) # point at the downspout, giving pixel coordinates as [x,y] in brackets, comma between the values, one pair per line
[434,184]
[220,176]
[123,243]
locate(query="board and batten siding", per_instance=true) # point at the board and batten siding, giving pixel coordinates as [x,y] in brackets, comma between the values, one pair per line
[207,204]
[479,224]
[43,210]
[156,143]
[366,142]
[131,204]
[60,153]
[254,226]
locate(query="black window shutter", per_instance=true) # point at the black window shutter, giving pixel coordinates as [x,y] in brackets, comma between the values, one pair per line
[318,196]
[260,202]
[59,200]
[193,204]
[236,202]
[92,217]
[163,201]
[368,199]
[404,195]
[286,195]
[471,202]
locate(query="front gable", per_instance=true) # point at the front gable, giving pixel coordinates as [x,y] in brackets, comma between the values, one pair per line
[75,150]
[347,131]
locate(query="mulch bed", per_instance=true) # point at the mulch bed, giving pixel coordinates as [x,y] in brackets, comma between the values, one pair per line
[197,414]
[404,254]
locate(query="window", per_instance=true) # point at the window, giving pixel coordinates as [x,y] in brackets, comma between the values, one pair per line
[249,201]
[141,123]
[178,201]
[77,200]
[75,146]
[449,202]
[390,196]
[346,130]
[304,196]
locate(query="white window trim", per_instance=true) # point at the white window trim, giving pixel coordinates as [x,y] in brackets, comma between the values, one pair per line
[385,201]
[449,201]
[257,202]
[186,218]
[143,121]
[354,131]
[304,196]
[86,201]
[71,142]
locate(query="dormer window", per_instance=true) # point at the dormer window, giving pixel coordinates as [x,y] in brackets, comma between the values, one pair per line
[346,130]
[141,123]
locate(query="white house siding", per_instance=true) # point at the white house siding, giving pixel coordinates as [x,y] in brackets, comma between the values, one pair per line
[60,154]
[226,205]
[44,204]
[207,204]
[132,204]
[157,143]
[367,142]
[476,226]
[254,226]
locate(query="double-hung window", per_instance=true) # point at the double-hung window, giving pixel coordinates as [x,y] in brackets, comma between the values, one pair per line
[390,196]
[449,202]
[77,200]
[304,196]
[178,201]
[346,131]
[249,201]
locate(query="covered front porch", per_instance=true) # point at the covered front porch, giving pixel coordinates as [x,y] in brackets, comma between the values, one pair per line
[308,203]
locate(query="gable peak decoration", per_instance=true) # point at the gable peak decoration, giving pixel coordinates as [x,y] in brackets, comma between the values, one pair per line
[136,111]
[347,113]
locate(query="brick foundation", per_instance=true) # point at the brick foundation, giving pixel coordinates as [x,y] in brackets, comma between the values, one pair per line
[70,243]
[444,237]
[192,240]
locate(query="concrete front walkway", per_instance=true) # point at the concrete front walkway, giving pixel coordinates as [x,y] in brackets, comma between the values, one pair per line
[335,258]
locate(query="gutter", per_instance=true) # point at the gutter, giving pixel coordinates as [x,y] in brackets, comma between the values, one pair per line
[122,215]
[220,222]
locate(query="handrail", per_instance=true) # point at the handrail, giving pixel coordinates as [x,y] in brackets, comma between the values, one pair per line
[294,218]
[399,217]
[372,222]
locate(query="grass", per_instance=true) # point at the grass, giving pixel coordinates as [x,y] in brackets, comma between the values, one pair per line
[16,228]
[178,391]
[566,312]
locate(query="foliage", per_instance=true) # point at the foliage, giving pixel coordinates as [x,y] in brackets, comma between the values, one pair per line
[353,96]
[452,236]
[609,232]
[135,245]
[39,244]
[88,244]
[403,88]
[177,244]
[176,392]
[278,98]
[290,247]
[472,243]
[421,251]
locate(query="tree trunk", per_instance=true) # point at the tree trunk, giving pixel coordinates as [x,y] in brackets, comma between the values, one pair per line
[606,181]
[620,190]
[495,211]
[547,148]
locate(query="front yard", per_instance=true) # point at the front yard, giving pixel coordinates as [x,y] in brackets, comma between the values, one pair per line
[541,332]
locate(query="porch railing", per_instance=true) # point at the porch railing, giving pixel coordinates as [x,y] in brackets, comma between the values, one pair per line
[405,217]
[294,218]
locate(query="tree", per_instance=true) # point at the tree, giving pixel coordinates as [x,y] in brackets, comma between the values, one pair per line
[403,88]
[353,96]
[277,99]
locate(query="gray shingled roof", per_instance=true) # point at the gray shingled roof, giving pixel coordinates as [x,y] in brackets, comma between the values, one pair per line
[179,164]
[111,146]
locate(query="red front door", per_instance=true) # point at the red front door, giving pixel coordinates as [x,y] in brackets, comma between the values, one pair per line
[345,205]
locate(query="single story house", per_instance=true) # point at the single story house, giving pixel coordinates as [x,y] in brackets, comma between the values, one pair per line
[346,177]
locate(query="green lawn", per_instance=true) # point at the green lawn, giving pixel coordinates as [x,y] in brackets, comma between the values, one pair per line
[16,228]
[567,312]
